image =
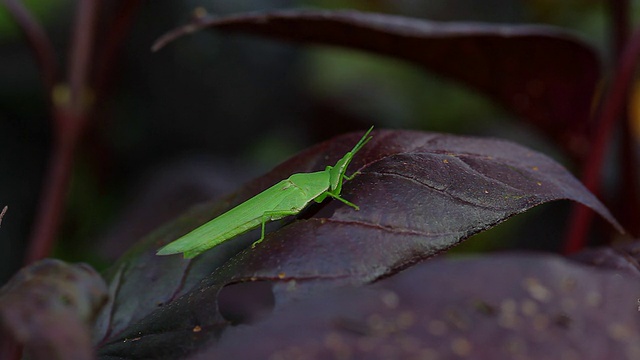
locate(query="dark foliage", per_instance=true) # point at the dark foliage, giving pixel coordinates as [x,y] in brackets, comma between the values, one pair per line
[333,282]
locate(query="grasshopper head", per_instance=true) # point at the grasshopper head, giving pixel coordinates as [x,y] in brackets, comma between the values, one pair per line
[337,172]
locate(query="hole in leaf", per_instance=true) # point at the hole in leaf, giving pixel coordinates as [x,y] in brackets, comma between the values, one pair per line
[246,303]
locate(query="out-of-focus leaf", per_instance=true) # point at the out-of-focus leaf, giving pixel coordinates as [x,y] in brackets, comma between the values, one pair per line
[544,74]
[48,307]
[497,307]
[419,194]
[621,257]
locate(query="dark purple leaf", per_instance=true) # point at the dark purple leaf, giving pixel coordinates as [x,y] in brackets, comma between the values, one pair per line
[419,194]
[162,278]
[544,74]
[48,308]
[497,307]
[621,257]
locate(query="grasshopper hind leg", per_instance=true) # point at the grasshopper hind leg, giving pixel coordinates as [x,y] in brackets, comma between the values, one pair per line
[269,216]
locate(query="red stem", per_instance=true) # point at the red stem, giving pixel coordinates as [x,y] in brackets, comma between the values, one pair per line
[612,108]
[55,188]
[81,51]
[70,120]
[117,32]
[627,197]
[620,25]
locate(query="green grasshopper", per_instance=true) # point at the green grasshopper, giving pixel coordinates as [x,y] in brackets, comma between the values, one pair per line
[286,198]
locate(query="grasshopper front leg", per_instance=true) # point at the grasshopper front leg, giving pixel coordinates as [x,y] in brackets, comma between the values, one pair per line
[345,201]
